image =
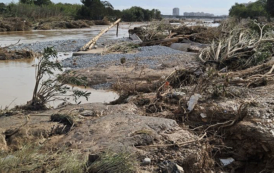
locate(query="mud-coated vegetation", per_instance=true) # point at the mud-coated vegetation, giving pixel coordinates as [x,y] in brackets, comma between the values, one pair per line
[44,14]
[6,54]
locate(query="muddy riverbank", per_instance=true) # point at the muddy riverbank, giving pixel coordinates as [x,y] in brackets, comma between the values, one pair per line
[21,24]
[18,76]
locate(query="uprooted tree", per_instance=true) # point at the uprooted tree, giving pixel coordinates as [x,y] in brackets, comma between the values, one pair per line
[243,55]
[54,88]
[241,48]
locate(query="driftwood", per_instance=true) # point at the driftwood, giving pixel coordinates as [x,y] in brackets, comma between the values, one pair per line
[265,68]
[92,42]
[242,43]
[10,45]
[165,42]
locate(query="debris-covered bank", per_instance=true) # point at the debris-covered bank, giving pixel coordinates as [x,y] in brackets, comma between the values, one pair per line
[210,111]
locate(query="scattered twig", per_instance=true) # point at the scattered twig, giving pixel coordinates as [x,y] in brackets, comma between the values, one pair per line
[10,45]
[175,144]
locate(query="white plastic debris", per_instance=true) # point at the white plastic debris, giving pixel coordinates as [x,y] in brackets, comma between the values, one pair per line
[146,161]
[193,101]
[179,93]
[227,161]
[203,115]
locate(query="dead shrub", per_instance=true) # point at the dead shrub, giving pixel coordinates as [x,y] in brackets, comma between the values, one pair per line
[242,48]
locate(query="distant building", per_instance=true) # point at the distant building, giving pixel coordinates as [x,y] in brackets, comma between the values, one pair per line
[198,14]
[176,12]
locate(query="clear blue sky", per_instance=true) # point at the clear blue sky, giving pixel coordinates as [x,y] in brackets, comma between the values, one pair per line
[216,7]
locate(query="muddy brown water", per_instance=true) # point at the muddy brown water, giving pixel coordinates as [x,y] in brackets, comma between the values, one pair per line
[18,79]
[18,76]
[8,38]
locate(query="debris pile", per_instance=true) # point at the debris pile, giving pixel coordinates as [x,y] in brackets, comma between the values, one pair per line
[68,24]
[14,24]
[166,34]
[220,98]
[6,54]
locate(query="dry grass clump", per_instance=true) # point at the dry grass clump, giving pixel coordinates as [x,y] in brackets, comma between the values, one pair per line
[26,159]
[123,47]
[34,159]
[68,162]
[111,162]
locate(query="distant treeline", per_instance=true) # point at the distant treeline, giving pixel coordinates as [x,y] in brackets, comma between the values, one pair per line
[259,8]
[90,9]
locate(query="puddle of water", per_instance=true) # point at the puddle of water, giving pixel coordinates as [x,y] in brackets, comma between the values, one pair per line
[18,79]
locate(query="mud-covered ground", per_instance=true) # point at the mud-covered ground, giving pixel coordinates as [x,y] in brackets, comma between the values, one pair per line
[174,114]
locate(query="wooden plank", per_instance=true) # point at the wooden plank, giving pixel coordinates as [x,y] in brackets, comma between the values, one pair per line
[92,42]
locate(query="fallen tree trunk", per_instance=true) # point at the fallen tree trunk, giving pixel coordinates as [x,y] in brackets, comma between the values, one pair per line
[259,69]
[92,42]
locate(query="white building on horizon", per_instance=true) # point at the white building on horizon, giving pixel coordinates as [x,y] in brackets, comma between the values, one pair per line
[176,12]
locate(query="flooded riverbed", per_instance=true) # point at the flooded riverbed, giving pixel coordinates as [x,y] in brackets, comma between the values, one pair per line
[18,76]
[8,38]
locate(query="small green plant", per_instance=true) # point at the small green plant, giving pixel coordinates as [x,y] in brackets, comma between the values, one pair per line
[54,88]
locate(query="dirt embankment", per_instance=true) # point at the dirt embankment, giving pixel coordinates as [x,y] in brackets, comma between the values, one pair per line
[69,24]
[14,24]
[21,24]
